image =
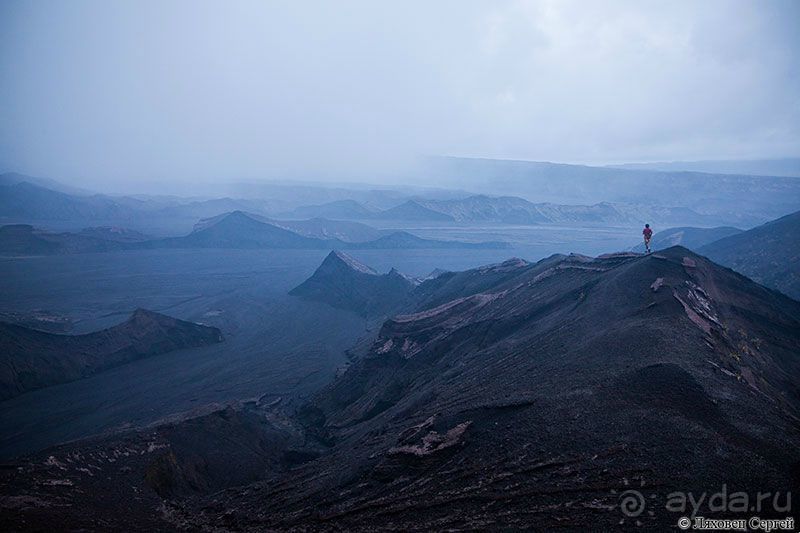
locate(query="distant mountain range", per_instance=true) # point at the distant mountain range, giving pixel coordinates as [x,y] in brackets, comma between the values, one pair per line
[326,229]
[753,167]
[245,230]
[13,178]
[414,210]
[24,202]
[339,209]
[230,230]
[34,359]
[545,390]
[111,233]
[513,210]
[731,199]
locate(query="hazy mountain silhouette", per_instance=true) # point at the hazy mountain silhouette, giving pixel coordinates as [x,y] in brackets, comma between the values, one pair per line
[13,178]
[34,359]
[245,230]
[514,210]
[113,233]
[413,210]
[323,228]
[228,230]
[240,230]
[25,201]
[338,209]
[753,167]
[403,239]
[509,210]
[689,237]
[732,199]
[210,208]
[769,254]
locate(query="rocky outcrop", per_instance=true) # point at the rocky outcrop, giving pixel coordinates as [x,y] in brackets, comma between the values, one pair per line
[343,282]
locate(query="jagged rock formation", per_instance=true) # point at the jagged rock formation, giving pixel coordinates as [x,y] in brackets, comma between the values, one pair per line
[34,359]
[342,282]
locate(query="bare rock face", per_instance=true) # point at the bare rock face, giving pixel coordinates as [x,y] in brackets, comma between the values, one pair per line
[433,442]
[132,474]
[343,282]
[34,359]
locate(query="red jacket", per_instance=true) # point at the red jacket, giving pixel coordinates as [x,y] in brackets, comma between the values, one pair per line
[647,232]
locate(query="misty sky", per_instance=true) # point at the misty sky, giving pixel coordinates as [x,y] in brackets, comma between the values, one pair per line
[108,92]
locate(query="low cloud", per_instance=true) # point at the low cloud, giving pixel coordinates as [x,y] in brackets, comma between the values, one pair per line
[109,92]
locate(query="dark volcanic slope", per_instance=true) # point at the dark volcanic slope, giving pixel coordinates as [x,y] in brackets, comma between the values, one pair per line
[124,477]
[344,283]
[533,403]
[516,396]
[34,359]
[769,254]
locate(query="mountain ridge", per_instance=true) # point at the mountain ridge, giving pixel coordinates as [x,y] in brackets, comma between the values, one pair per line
[34,359]
[236,229]
[770,253]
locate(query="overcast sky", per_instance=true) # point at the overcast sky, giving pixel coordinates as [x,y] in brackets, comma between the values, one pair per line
[110,92]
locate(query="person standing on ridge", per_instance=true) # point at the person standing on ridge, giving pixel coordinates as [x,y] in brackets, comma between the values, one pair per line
[648,234]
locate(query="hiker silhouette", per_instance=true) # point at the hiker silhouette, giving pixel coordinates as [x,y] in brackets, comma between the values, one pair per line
[648,234]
